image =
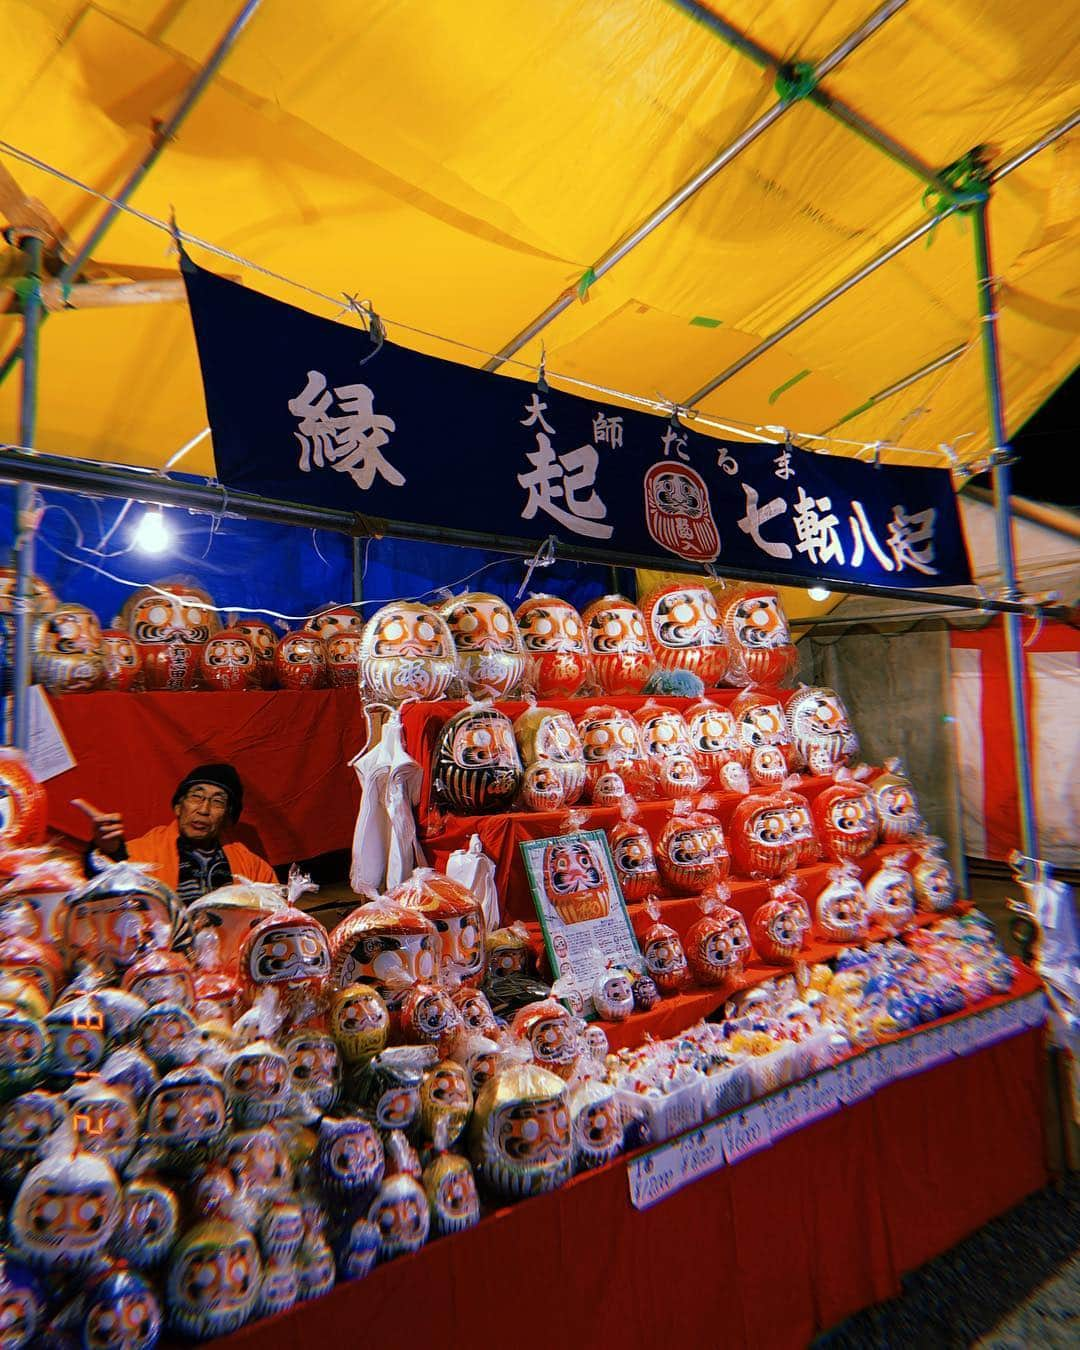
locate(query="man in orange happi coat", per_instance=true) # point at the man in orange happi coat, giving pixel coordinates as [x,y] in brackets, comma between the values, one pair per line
[191,854]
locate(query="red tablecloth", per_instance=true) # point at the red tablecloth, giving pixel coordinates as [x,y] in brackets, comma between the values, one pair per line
[761,1254]
[291,748]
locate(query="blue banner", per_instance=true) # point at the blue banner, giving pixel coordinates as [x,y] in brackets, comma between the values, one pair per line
[308,410]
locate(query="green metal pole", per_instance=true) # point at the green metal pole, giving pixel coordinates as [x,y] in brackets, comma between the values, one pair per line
[24,496]
[1001,460]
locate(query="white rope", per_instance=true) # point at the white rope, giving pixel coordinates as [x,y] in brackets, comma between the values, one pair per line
[731,425]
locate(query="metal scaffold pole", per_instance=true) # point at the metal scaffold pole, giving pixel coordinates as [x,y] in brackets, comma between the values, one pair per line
[1001,461]
[25,523]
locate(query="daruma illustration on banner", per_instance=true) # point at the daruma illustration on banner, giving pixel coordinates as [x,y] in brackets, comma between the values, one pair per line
[678,514]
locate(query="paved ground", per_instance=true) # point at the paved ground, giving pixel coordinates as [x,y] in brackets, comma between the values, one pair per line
[1012,1285]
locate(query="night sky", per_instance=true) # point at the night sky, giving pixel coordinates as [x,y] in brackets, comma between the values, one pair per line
[1046,448]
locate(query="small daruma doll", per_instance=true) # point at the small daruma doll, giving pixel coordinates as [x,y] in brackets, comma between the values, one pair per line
[123,664]
[840,909]
[935,886]
[290,953]
[690,851]
[663,952]
[779,927]
[300,661]
[821,730]
[763,842]
[68,652]
[633,855]
[718,748]
[23,802]
[547,737]
[665,738]
[342,660]
[213,1279]
[898,807]
[685,631]
[846,818]
[718,944]
[490,653]
[618,644]
[67,1209]
[457,915]
[228,662]
[406,651]
[264,640]
[520,1140]
[761,648]
[336,619]
[171,623]
[611,742]
[476,766]
[551,629]
[766,737]
[386,946]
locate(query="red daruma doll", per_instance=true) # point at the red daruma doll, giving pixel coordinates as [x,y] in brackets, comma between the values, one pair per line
[618,644]
[690,851]
[228,662]
[264,640]
[779,927]
[665,739]
[300,661]
[718,944]
[123,664]
[757,631]
[662,952]
[846,818]
[766,737]
[171,623]
[557,663]
[632,854]
[685,631]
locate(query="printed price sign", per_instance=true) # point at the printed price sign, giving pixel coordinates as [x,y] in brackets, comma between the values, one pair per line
[823,1094]
[745,1132]
[655,1176]
[858,1079]
[789,1109]
[702,1152]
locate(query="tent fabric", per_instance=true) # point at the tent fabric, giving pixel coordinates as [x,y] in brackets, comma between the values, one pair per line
[987,774]
[464,166]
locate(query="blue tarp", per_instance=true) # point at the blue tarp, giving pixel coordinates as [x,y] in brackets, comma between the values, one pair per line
[250,566]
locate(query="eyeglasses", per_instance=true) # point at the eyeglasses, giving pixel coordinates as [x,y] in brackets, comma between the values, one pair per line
[216,801]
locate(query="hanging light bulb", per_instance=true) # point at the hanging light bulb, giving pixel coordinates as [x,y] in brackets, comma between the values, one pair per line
[818,593]
[152,535]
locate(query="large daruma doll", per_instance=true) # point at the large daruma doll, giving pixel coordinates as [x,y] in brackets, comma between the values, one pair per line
[476,766]
[551,629]
[685,631]
[821,730]
[618,643]
[756,626]
[68,651]
[171,624]
[490,654]
[406,652]
[457,915]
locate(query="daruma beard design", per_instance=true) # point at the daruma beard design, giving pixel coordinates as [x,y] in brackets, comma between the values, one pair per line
[678,513]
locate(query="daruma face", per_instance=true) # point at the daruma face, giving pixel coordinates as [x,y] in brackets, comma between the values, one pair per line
[685,631]
[407,650]
[228,661]
[618,643]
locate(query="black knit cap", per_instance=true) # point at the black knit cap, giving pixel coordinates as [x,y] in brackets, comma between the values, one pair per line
[223,776]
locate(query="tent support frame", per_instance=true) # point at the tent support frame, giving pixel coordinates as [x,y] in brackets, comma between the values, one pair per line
[25,524]
[102,480]
[1001,460]
[161,139]
[656,218]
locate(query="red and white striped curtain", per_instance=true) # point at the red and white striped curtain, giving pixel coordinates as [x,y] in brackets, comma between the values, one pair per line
[980,692]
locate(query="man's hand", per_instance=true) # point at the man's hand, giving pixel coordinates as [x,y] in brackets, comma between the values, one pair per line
[108,828]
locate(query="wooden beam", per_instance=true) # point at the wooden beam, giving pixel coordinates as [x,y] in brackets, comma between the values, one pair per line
[26,215]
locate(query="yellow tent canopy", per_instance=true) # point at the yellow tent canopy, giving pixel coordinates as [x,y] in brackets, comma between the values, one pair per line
[465,165]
